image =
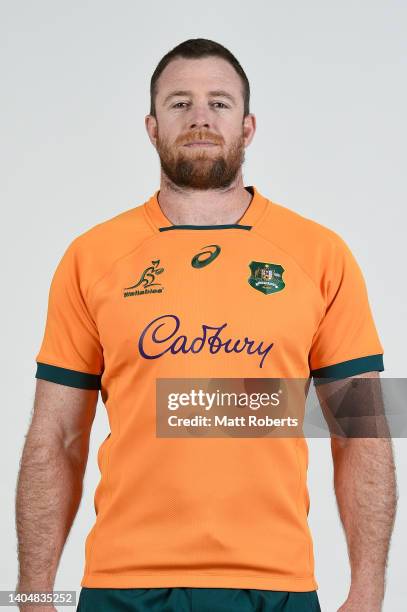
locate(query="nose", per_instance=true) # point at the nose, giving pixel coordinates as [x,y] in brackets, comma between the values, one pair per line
[199,118]
[199,123]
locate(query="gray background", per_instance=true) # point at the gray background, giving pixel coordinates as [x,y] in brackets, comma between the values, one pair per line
[329,93]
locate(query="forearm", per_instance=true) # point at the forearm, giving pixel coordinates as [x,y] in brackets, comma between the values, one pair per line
[49,489]
[365,487]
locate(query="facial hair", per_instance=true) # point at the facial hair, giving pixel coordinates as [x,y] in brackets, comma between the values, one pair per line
[200,169]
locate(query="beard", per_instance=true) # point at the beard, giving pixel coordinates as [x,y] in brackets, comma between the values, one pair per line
[200,169]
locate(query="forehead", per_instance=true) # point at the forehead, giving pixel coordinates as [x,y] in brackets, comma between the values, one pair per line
[197,75]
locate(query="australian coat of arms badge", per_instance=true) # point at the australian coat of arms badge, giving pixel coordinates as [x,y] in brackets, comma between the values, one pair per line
[266,277]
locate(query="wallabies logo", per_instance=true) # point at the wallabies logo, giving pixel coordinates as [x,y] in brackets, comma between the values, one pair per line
[147,280]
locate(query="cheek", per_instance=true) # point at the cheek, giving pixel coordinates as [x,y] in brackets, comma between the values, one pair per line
[173,130]
[230,128]
[233,137]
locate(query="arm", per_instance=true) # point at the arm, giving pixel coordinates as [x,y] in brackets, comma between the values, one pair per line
[50,480]
[365,488]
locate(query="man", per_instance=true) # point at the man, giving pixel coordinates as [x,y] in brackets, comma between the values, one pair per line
[208,278]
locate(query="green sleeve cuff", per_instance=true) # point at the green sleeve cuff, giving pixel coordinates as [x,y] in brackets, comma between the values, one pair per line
[70,378]
[352,367]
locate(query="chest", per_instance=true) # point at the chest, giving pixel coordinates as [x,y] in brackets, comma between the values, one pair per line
[191,293]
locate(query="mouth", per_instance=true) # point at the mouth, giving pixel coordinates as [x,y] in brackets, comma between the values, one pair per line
[201,143]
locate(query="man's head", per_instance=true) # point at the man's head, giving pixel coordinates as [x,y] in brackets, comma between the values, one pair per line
[200,94]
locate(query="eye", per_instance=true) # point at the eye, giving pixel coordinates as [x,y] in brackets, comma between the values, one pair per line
[223,105]
[178,103]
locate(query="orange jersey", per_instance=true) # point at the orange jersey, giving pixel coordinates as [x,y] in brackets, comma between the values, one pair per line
[273,295]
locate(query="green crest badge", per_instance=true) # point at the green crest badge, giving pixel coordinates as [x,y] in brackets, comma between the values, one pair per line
[266,277]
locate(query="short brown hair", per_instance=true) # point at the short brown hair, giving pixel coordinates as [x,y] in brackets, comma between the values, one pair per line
[195,48]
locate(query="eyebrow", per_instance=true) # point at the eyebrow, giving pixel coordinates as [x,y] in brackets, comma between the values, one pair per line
[215,93]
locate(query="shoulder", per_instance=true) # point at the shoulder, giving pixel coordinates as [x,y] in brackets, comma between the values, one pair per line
[297,228]
[301,236]
[117,233]
[95,250]
[319,251]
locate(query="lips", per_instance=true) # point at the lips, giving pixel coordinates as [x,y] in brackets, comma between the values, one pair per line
[200,143]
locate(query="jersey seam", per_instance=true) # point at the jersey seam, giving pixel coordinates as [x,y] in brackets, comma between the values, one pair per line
[311,280]
[107,471]
[302,483]
[267,239]
[135,574]
[106,272]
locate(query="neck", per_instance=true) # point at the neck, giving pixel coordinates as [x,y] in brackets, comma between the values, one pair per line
[184,206]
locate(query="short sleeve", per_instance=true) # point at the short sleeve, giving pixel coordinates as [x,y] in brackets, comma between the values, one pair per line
[346,342]
[70,353]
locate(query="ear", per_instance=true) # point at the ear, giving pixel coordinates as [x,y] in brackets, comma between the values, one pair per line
[249,128]
[152,128]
